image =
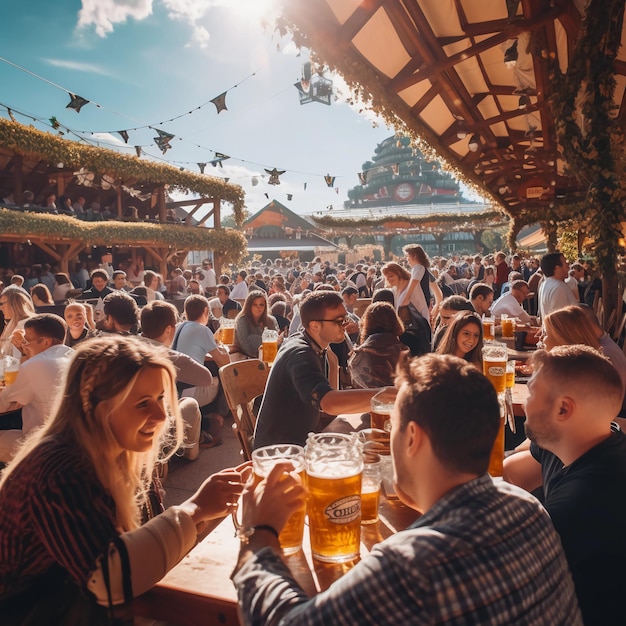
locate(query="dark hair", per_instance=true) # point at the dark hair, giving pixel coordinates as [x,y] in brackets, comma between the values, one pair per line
[380,317]
[148,278]
[47,325]
[549,263]
[395,268]
[383,295]
[519,284]
[156,316]
[246,311]
[349,291]
[480,289]
[195,306]
[61,278]
[224,288]
[455,405]
[580,367]
[416,251]
[456,303]
[117,273]
[122,308]
[315,305]
[42,292]
[100,273]
[243,274]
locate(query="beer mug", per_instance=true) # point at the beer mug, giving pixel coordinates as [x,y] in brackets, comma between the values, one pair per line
[488,329]
[11,368]
[269,345]
[263,459]
[494,364]
[370,492]
[334,464]
[508,327]
[227,331]
[510,374]
[381,406]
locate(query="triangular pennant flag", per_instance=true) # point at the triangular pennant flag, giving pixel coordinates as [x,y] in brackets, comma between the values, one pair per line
[226,180]
[201,166]
[220,102]
[274,176]
[76,102]
[219,157]
[267,195]
[138,150]
[305,184]
[11,115]
[330,180]
[362,178]
[123,134]
[54,122]
[337,190]
[289,196]
[163,140]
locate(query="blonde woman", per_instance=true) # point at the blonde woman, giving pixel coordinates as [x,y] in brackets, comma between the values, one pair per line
[82,522]
[16,306]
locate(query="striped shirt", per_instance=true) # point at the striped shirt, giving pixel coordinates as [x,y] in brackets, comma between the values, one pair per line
[484,554]
[55,512]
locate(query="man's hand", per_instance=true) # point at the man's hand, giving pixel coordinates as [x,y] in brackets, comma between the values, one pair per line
[274,499]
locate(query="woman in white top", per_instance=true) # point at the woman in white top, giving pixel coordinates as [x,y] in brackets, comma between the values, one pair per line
[16,306]
[62,285]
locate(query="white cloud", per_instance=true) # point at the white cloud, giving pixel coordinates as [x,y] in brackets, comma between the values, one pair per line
[104,14]
[79,67]
[200,37]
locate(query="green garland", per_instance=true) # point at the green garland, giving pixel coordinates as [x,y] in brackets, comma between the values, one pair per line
[591,137]
[230,244]
[413,221]
[33,143]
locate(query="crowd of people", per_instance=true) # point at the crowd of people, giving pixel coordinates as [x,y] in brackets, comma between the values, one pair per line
[119,370]
[95,212]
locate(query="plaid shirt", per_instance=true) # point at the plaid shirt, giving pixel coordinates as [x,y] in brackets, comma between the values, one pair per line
[484,554]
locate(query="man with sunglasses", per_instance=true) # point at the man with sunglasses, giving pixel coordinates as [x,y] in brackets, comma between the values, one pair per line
[298,387]
[35,387]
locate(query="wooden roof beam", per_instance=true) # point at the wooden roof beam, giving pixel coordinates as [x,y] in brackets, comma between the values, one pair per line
[510,32]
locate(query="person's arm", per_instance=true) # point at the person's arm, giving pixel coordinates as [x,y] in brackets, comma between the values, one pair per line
[220,355]
[189,371]
[523,470]
[436,289]
[416,277]
[347,401]
[23,389]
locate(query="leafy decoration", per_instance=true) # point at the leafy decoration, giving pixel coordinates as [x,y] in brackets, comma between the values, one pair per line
[51,148]
[590,135]
[230,244]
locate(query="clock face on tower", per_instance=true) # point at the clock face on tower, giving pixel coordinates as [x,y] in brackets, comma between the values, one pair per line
[404,192]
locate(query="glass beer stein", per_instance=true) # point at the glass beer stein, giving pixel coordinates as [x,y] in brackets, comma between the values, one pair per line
[334,464]
[270,345]
[263,459]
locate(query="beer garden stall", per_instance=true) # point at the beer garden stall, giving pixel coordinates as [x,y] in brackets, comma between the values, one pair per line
[523,100]
[45,163]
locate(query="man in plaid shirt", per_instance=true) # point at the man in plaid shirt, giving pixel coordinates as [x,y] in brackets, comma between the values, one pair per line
[482,553]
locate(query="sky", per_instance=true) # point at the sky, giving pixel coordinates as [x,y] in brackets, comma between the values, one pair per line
[142,62]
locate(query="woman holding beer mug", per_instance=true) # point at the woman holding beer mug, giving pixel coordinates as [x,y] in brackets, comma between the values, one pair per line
[82,521]
[464,338]
[250,323]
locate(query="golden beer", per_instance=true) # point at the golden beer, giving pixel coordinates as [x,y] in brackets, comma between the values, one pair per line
[369,506]
[495,371]
[334,463]
[334,509]
[496,459]
[381,406]
[380,420]
[9,377]
[508,328]
[227,334]
[263,459]
[270,349]
[510,374]
[488,329]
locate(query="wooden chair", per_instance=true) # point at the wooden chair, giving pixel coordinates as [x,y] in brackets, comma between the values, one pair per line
[360,306]
[243,382]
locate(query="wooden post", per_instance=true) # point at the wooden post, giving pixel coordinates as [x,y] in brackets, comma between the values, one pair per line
[161,203]
[217,217]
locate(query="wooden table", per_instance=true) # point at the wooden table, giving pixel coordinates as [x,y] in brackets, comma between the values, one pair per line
[199,590]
